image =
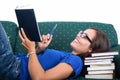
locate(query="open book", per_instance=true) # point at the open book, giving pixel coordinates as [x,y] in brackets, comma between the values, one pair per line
[27,20]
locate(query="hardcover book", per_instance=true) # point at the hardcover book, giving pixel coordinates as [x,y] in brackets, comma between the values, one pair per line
[105,54]
[92,68]
[101,72]
[100,76]
[98,62]
[27,20]
[99,57]
[102,65]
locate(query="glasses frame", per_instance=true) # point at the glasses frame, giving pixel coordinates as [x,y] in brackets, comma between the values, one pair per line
[84,35]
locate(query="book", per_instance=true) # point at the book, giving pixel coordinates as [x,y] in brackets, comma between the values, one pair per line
[102,65]
[101,72]
[105,54]
[27,20]
[99,57]
[99,76]
[98,62]
[91,68]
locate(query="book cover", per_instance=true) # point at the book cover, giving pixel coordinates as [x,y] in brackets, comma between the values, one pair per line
[27,20]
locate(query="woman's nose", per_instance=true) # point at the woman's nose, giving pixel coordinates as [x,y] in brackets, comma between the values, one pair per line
[78,36]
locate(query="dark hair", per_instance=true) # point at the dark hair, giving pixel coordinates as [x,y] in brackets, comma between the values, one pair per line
[100,42]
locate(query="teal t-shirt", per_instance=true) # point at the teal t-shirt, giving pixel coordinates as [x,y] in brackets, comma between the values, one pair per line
[50,58]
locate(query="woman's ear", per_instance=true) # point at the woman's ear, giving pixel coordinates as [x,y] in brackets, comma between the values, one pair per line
[90,50]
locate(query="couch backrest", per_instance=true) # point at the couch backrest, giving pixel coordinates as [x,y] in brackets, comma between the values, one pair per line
[63,35]
[66,32]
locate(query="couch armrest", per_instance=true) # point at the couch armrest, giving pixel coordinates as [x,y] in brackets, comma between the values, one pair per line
[11,31]
[117,60]
[116,48]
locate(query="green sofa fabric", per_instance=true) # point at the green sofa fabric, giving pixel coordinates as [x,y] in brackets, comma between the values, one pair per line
[63,35]
[11,30]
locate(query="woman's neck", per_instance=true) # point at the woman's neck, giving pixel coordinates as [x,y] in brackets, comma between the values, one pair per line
[75,53]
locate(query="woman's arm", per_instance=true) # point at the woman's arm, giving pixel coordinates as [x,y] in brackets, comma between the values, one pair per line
[61,71]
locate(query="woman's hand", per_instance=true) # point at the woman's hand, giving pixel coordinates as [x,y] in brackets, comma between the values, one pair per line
[46,39]
[29,45]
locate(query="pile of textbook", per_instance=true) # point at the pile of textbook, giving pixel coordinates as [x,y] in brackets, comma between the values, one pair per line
[100,65]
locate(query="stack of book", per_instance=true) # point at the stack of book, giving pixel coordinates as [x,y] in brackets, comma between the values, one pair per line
[100,65]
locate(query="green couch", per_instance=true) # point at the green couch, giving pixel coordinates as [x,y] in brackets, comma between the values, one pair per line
[63,35]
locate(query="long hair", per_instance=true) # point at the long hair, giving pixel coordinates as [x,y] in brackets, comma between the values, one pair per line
[101,42]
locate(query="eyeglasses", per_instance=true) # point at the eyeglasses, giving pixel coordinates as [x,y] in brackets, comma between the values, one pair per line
[84,35]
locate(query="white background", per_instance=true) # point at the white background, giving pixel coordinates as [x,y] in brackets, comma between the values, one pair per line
[106,11]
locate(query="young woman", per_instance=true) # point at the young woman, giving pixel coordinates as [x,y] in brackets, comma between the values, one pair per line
[49,64]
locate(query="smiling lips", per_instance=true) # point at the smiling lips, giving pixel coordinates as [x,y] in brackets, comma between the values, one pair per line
[76,41]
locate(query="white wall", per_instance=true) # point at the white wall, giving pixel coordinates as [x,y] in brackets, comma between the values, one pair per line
[106,11]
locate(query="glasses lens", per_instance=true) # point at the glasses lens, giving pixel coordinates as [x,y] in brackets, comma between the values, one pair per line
[81,32]
[84,35]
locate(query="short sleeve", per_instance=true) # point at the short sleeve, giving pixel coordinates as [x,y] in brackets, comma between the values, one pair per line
[75,62]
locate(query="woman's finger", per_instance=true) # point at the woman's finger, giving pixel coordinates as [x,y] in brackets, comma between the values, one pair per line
[23,34]
[21,37]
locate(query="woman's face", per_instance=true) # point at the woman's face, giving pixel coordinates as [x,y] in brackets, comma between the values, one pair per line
[82,42]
